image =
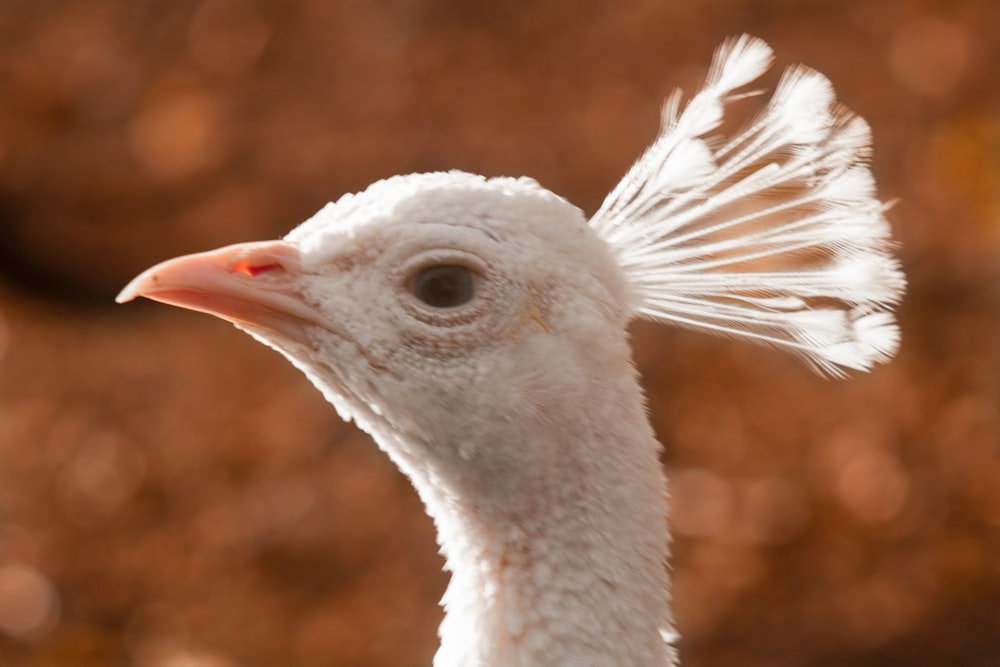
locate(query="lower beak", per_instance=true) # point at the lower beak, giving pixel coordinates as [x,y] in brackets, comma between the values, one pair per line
[253,285]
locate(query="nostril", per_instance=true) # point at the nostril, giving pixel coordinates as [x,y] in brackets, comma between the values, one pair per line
[248,268]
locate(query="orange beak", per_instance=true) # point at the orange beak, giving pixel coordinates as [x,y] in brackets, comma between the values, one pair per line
[253,285]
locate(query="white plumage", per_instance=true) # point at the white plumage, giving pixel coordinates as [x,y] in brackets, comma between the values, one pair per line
[476,328]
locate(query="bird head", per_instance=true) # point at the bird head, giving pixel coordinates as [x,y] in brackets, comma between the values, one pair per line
[451,308]
[423,300]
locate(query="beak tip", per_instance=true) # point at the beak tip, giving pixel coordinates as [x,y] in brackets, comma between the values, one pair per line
[127,294]
[133,289]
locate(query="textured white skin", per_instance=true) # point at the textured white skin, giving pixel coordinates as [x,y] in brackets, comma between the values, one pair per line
[518,417]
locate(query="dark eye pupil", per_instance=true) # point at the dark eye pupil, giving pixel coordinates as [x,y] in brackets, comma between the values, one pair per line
[444,286]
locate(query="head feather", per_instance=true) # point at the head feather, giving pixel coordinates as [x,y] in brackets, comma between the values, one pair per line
[774,234]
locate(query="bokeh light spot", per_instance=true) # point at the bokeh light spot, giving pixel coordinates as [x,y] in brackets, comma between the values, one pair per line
[28,602]
[176,134]
[703,502]
[873,486]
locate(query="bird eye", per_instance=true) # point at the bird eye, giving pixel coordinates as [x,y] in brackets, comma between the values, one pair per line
[444,286]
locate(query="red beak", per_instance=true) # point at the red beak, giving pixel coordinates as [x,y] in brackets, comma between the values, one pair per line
[254,285]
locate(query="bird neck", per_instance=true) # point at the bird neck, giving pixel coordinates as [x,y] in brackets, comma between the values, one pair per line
[558,554]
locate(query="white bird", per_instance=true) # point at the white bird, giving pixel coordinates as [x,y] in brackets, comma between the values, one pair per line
[476,328]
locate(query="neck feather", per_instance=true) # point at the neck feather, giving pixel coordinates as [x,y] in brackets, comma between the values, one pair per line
[557,558]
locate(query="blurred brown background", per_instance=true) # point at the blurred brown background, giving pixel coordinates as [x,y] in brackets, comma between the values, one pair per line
[173,494]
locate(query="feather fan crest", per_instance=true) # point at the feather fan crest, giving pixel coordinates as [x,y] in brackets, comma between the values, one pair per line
[774,234]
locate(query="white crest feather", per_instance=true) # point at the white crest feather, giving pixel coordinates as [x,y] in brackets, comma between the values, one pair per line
[774,234]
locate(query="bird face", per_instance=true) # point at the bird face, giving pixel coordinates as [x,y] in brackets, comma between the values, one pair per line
[422,300]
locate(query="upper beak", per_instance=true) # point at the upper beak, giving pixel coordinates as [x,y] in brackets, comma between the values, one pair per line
[250,284]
